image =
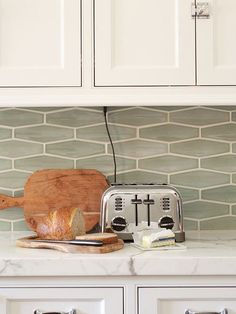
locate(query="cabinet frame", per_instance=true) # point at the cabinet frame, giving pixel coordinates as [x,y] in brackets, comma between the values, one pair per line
[88,95]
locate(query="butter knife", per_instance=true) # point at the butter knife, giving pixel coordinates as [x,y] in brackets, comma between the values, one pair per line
[74,242]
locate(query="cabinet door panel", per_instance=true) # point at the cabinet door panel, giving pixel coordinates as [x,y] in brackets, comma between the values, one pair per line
[144,43]
[40,43]
[82,300]
[216,44]
[178,300]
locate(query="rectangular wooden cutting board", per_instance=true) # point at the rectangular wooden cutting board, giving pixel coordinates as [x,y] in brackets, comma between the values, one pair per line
[28,242]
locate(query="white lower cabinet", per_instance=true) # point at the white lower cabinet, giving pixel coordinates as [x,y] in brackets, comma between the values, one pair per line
[82,300]
[207,300]
[110,300]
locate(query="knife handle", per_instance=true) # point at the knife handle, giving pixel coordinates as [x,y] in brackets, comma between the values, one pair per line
[40,312]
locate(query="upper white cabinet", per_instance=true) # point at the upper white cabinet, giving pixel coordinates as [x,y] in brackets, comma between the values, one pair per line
[140,43]
[117,52]
[216,44]
[40,43]
[144,43]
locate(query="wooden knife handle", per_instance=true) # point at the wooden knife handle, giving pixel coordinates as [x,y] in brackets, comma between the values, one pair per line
[8,201]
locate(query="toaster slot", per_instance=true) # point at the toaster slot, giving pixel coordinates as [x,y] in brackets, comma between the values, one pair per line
[136,202]
[148,201]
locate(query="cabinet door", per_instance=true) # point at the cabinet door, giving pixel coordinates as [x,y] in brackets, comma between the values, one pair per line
[216,44]
[144,43]
[61,300]
[187,300]
[40,43]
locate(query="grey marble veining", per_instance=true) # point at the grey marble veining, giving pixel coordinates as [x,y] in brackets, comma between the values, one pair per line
[207,253]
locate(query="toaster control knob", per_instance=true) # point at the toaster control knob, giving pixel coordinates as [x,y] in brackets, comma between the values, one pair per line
[166,222]
[118,223]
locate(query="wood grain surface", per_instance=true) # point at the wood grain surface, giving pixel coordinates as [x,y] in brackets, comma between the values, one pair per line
[52,189]
[106,238]
[70,248]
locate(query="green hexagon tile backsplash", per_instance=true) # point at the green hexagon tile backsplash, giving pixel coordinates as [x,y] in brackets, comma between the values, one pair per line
[193,148]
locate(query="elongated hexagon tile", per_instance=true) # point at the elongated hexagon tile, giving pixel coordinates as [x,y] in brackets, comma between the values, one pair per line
[234,178]
[199,148]
[199,178]
[17,117]
[75,117]
[18,148]
[105,164]
[225,132]
[221,223]
[5,164]
[5,226]
[190,225]
[99,133]
[115,108]
[199,116]
[169,132]
[226,163]
[46,109]
[97,108]
[75,149]
[137,117]
[6,192]
[20,226]
[234,115]
[234,148]
[188,194]
[225,108]
[139,148]
[226,194]
[12,213]
[43,162]
[44,133]
[168,163]
[5,133]
[234,209]
[169,108]
[202,209]
[140,177]
[18,193]
[13,179]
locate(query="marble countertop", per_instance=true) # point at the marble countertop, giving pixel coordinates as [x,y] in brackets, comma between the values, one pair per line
[207,253]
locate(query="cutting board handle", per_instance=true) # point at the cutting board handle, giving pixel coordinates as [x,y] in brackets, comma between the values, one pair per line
[8,201]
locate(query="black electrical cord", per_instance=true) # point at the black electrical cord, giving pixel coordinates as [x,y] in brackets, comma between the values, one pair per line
[110,139]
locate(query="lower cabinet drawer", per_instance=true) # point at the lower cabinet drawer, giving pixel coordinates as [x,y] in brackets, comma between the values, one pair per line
[153,300]
[61,300]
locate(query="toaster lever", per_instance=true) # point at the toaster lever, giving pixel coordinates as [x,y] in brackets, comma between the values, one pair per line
[136,201]
[148,202]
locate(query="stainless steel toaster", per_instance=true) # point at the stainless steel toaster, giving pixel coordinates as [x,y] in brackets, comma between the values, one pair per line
[131,204]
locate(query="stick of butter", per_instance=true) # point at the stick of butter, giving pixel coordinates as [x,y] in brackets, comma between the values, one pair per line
[157,239]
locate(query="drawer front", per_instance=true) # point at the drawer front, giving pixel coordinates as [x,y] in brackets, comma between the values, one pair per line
[61,300]
[186,300]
